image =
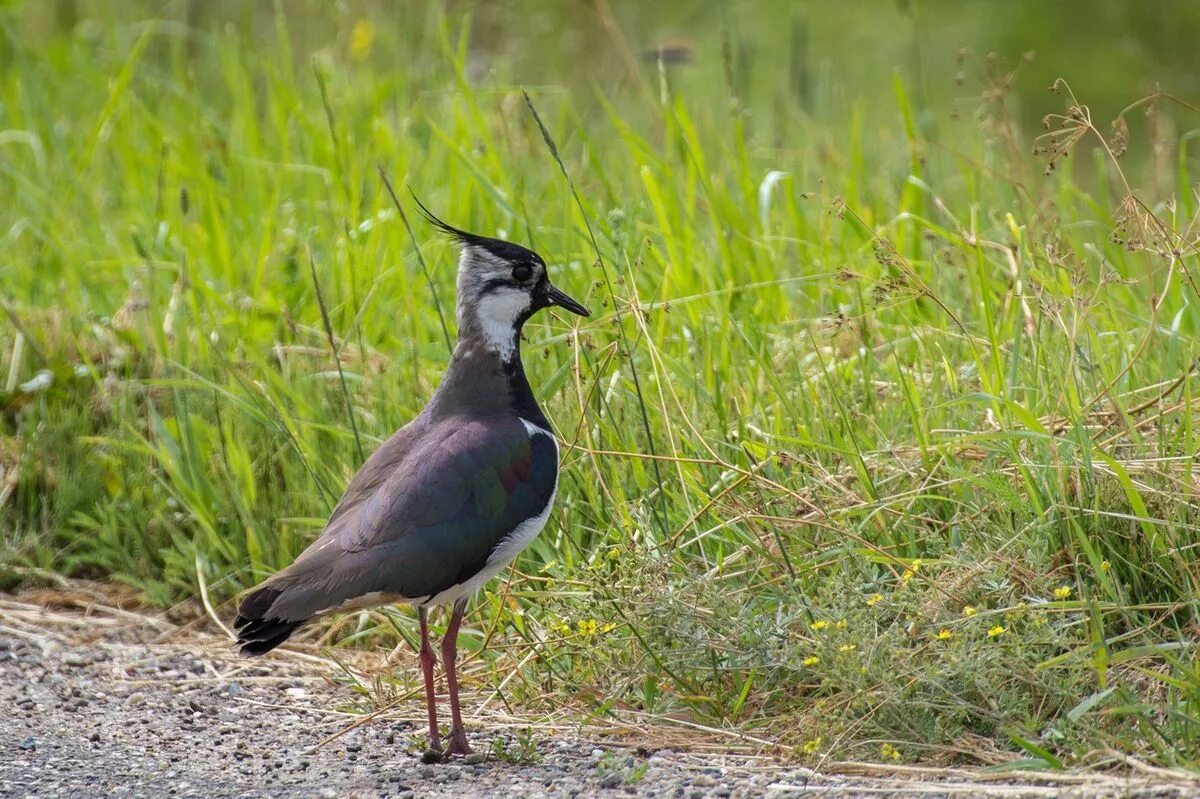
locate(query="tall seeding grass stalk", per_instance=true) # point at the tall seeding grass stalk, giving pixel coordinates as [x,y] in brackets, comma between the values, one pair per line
[881,443]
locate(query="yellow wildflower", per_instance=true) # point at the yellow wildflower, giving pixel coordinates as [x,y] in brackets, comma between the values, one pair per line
[614,553]
[842,624]
[874,599]
[944,634]
[1062,592]
[362,39]
[811,660]
[812,745]
[847,647]
[969,611]
[587,627]
[1105,565]
[889,752]
[819,625]
[1017,611]
[996,632]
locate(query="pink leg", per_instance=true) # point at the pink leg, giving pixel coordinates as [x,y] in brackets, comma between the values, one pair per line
[458,734]
[428,661]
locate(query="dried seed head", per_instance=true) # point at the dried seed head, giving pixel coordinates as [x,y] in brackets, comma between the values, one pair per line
[1120,137]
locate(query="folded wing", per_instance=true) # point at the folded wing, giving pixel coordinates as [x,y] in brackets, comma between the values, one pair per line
[423,515]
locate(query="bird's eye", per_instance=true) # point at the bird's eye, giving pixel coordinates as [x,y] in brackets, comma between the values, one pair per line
[522,272]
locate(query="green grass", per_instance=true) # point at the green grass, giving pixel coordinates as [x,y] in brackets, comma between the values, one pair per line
[889,455]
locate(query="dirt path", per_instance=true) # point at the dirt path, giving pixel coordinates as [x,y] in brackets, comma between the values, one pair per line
[115,705]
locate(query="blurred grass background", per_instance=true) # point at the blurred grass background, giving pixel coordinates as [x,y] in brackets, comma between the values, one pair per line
[881,439]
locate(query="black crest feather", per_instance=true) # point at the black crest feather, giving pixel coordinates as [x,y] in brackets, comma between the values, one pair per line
[498,247]
[462,236]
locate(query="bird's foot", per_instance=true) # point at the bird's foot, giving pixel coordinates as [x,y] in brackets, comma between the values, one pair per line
[458,743]
[434,753]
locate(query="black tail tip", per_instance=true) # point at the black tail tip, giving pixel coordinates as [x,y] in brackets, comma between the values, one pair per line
[257,631]
[260,636]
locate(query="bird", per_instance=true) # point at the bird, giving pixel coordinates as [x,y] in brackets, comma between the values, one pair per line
[450,499]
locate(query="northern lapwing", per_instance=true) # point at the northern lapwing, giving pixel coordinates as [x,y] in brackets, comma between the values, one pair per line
[451,498]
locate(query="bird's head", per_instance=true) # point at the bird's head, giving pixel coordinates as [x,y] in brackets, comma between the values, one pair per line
[500,285]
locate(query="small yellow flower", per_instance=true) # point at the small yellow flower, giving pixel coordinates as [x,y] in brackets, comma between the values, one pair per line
[362,39]
[1062,592]
[1105,565]
[587,627]
[969,611]
[874,599]
[609,627]
[812,745]
[811,660]
[910,572]
[996,632]
[889,752]
[944,634]
[614,553]
[817,626]
[847,647]
[842,624]
[1017,611]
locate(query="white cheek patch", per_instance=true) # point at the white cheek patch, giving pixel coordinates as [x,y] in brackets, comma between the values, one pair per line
[498,312]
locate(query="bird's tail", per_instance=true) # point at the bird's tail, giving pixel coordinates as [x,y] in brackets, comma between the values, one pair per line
[258,630]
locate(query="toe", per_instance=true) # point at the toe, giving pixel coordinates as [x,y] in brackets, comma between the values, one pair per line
[459,745]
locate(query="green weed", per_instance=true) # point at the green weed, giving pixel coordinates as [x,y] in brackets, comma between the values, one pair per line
[520,750]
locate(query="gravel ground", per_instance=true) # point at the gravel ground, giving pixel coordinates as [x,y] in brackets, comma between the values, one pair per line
[95,709]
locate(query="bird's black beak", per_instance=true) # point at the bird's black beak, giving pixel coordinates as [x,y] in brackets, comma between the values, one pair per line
[552,296]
